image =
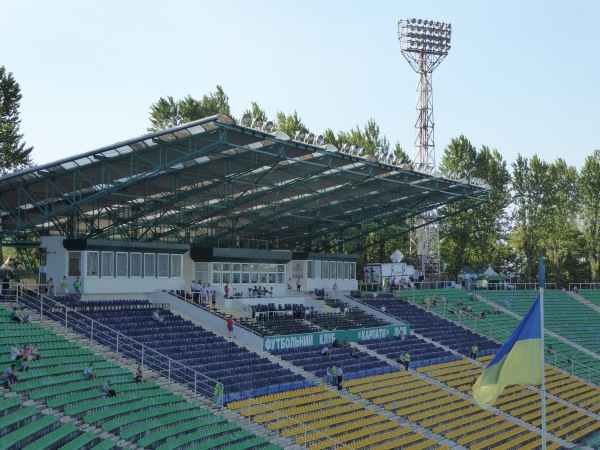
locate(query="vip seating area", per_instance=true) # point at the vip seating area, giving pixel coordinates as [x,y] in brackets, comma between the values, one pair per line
[350,319]
[142,413]
[274,325]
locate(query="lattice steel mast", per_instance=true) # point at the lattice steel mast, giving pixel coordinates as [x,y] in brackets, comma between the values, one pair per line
[425,44]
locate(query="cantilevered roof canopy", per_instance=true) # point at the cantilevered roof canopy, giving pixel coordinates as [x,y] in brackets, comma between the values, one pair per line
[213,182]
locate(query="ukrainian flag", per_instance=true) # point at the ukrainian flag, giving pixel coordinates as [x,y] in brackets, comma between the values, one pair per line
[519,361]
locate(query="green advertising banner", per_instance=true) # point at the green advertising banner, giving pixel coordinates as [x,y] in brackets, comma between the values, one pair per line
[327,337]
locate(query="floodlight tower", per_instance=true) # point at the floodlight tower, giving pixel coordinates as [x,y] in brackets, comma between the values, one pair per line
[425,44]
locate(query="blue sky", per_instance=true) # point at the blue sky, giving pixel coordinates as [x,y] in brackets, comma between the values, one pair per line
[521,77]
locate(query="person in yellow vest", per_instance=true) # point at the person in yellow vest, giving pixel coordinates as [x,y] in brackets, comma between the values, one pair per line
[406,360]
[218,394]
[474,350]
[77,287]
[64,285]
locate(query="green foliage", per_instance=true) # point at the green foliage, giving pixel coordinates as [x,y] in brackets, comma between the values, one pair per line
[167,113]
[589,199]
[14,154]
[473,234]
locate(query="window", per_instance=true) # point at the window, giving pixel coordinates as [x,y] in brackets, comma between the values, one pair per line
[74,264]
[325,269]
[332,270]
[149,267]
[272,273]
[176,266]
[310,269]
[163,265]
[135,265]
[346,271]
[93,264]
[264,273]
[235,275]
[122,264]
[340,270]
[318,272]
[280,273]
[353,271]
[245,273]
[108,264]
[216,273]
[201,272]
[254,273]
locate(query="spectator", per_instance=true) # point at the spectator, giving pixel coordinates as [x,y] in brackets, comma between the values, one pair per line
[24,315]
[77,288]
[50,287]
[575,290]
[337,343]
[334,375]
[550,350]
[289,284]
[298,284]
[226,289]
[15,316]
[64,285]
[34,354]
[230,325]
[213,297]
[326,351]
[402,335]
[346,342]
[15,353]
[406,360]
[9,376]
[89,372]
[335,291]
[139,375]
[108,390]
[218,394]
[383,309]
[353,353]
[340,378]
[474,350]
[157,317]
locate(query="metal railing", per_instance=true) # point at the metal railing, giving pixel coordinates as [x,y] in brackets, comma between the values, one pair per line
[122,345]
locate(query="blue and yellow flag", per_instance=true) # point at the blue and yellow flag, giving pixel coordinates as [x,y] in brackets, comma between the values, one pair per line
[519,361]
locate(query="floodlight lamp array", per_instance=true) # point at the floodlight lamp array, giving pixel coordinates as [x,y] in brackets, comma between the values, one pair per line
[353,149]
[424,36]
[423,168]
[258,123]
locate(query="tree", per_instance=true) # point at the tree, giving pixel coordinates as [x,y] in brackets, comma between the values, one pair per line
[589,186]
[168,113]
[474,234]
[14,154]
[289,124]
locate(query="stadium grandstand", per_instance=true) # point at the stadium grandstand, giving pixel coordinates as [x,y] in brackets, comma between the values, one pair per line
[200,273]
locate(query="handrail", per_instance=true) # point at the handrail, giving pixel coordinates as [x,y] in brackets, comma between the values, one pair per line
[123,345]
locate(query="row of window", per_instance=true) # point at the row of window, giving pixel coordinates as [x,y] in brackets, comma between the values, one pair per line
[124,265]
[240,273]
[262,273]
[331,270]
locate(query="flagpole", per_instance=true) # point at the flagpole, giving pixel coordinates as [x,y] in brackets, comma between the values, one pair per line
[542,279]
